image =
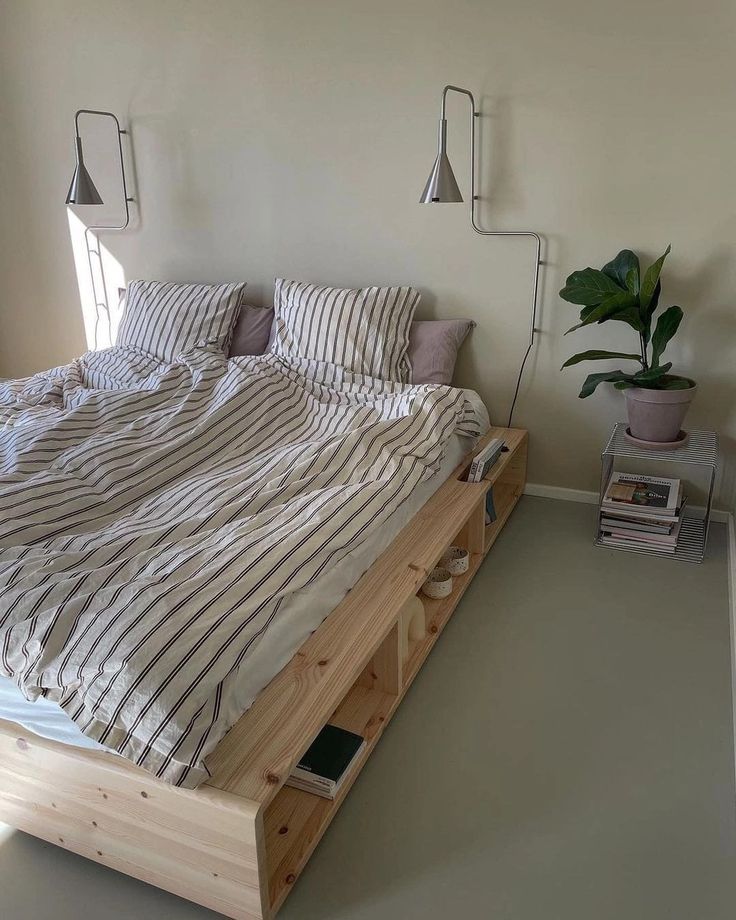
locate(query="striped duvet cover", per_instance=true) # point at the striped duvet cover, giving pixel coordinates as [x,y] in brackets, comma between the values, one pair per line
[155,518]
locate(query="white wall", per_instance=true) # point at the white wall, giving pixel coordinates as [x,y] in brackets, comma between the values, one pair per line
[275,137]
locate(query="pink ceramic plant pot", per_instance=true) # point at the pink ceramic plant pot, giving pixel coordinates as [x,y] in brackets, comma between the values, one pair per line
[657,415]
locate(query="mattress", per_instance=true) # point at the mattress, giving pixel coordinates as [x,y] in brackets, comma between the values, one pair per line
[303,613]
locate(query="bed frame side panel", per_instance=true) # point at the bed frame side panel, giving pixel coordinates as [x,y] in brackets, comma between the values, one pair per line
[202,845]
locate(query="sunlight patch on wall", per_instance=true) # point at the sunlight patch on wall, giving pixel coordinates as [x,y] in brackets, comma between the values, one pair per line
[6,832]
[99,276]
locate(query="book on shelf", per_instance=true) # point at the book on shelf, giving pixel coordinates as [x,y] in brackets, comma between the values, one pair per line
[326,763]
[642,526]
[642,538]
[490,507]
[607,540]
[485,459]
[636,495]
[644,523]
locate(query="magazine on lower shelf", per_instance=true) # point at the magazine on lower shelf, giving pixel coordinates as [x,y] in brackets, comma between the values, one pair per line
[667,542]
[637,495]
[641,512]
[631,544]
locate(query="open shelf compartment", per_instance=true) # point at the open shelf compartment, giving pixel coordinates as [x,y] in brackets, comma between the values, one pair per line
[295,820]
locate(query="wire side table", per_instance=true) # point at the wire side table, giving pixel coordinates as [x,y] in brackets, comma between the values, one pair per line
[701,451]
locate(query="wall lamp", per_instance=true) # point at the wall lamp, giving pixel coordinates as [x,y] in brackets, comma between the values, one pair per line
[442,187]
[83,191]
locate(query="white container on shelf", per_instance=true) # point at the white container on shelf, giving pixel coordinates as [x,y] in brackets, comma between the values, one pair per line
[456,560]
[439,583]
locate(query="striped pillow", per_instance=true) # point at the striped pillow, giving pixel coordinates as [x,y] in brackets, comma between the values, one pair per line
[365,330]
[165,318]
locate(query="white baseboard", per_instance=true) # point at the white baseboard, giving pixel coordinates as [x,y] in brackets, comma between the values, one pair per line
[565,495]
[591,498]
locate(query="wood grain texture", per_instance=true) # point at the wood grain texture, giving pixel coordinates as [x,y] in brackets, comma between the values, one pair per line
[296,820]
[472,536]
[383,671]
[200,844]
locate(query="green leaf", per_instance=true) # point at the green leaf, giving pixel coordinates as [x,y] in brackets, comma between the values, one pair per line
[592,381]
[596,355]
[620,302]
[646,315]
[630,316]
[589,287]
[649,285]
[667,326]
[655,298]
[675,383]
[623,384]
[586,311]
[650,375]
[624,270]
[632,280]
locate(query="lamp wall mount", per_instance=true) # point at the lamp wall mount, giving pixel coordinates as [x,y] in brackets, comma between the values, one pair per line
[83,191]
[442,187]
[83,199]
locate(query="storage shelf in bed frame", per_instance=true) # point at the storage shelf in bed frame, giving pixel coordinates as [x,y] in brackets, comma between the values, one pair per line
[239,842]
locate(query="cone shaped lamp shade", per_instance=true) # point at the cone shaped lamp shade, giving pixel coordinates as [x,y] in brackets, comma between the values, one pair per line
[441,185]
[82,189]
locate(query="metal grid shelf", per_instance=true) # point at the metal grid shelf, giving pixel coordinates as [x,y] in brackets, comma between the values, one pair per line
[702,447]
[701,450]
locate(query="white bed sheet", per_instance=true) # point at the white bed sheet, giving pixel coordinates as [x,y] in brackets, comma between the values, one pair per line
[306,610]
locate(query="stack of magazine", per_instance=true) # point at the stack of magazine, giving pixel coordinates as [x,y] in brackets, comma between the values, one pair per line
[642,512]
[485,459]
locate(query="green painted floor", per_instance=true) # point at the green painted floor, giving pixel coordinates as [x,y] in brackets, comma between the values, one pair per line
[566,753]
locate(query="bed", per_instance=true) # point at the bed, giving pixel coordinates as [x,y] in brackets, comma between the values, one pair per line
[306,610]
[175,529]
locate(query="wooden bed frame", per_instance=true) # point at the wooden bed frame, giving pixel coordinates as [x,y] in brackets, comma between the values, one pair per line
[238,843]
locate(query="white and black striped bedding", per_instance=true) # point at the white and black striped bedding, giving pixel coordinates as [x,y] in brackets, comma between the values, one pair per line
[365,330]
[154,519]
[166,318]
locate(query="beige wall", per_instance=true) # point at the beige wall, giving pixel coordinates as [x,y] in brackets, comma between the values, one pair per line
[276,137]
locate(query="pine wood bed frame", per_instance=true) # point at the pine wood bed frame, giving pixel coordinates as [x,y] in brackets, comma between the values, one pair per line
[238,843]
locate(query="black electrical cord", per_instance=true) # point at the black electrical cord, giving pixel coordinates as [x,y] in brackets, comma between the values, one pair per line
[518,382]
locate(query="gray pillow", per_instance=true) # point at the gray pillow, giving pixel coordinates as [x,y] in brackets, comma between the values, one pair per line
[252,331]
[433,348]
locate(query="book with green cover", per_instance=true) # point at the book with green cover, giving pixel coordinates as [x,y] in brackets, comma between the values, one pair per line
[325,764]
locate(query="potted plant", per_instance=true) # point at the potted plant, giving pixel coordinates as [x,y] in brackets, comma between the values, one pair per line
[656,400]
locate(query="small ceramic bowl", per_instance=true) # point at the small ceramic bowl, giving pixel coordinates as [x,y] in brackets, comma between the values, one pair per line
[456,560]
[439,583]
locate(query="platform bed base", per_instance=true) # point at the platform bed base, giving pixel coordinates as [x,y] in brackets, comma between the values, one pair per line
[238,843]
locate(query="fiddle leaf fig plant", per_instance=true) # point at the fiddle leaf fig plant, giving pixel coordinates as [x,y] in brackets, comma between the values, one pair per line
[618,293]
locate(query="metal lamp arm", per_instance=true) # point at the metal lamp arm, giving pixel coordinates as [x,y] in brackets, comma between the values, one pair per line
[120,131]
[92,231]
[474,197]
